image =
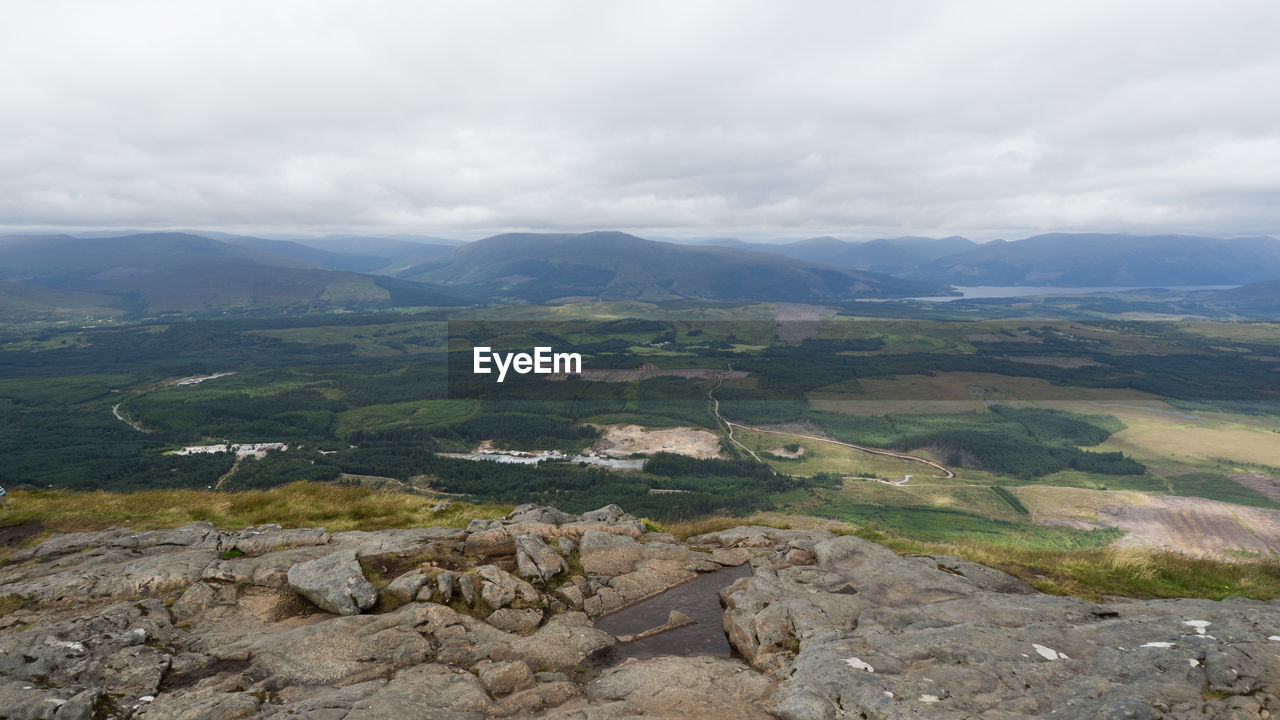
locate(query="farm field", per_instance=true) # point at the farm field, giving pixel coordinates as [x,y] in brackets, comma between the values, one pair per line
[1059,433]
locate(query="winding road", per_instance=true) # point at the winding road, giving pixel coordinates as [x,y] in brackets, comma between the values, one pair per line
[730,425]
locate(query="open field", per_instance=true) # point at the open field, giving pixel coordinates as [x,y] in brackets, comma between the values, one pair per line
[417,414]
[822,457]
[1196,527]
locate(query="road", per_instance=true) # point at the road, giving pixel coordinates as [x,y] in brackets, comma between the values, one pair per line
[715,408]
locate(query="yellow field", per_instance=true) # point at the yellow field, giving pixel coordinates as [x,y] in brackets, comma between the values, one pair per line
[1048,503]
[1159,433]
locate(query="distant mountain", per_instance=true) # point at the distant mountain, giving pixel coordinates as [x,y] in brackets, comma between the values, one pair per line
[890,255]
[398,252]
[178,272]
[315,256]
[616,266]
[1077,260]
[1260,299]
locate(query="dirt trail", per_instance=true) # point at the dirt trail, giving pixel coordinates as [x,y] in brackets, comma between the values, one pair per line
[730,425]
[115,410]
[227,475]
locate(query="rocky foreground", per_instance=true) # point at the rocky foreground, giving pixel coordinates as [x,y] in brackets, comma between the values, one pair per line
[497,621]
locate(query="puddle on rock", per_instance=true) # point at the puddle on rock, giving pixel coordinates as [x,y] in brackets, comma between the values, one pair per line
[699,599]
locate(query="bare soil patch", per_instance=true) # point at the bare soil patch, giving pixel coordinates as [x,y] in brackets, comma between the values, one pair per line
[1194,526]
[797,321]
[626,440]
[1264,484]
[15,535]
[785,453]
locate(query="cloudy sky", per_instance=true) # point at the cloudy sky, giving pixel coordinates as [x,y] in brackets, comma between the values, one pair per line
[760,120]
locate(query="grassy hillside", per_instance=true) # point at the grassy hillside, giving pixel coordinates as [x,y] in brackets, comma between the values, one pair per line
[617,266]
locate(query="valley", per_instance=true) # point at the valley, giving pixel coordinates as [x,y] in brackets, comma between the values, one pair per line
[933,430]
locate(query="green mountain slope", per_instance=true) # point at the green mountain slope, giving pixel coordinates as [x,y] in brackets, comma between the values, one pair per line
[1103,259]
[616,266]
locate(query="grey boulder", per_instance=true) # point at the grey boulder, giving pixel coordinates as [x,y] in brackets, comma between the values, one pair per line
[334,583]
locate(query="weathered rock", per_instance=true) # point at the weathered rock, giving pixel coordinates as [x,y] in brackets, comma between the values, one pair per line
[515,621]
[334,583]
[604,553]
[500,588]
[113,575]
[564,643]
[536,561]
[504,678]
[197,599]
[269,538]
[444,586]
[466,585]
[339,650]
[679,687]
[841,628]
[538,514]
[405,587]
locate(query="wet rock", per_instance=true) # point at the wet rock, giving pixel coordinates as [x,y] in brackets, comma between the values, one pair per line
[535,561]
[335,583]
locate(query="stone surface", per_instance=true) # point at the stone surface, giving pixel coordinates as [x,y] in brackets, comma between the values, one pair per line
[604,553]
[405,587]
[499,588]
[156,625]
[504,678]
[335,583]
[535,560]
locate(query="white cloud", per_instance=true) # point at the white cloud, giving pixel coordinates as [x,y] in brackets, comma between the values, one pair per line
[986,119]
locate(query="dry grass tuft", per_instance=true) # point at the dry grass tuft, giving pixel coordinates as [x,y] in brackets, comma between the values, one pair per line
[300,504]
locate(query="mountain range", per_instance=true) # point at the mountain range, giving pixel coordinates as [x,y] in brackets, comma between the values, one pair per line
[216,272]
[617,266]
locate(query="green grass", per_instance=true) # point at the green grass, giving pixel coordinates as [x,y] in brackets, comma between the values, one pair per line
[417,413]
[1094,573]
[945,525]
[1217,487]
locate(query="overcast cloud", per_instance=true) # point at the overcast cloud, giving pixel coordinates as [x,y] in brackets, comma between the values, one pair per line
[785,119]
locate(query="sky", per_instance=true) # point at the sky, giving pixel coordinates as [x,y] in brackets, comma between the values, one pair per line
[757,120]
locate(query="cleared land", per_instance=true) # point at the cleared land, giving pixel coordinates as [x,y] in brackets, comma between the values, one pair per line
[1195,526]
[627,440]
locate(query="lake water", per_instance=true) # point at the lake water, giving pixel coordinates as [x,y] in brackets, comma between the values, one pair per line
[1000,291]
[699,599]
